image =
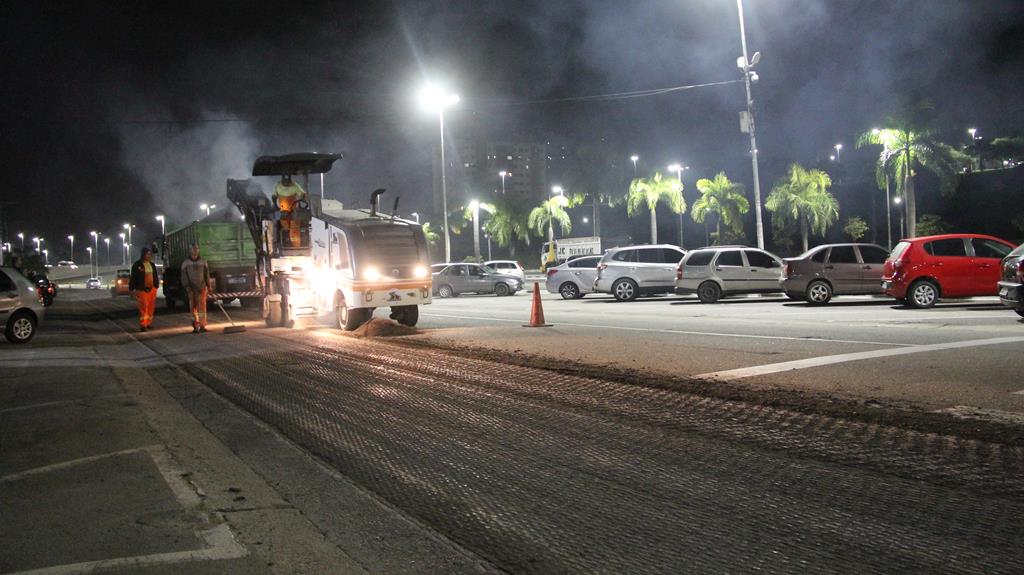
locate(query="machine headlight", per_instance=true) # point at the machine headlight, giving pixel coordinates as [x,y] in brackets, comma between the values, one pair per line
[371,273]
[419,272]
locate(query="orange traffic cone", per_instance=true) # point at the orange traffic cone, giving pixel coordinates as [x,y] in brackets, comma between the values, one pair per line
[537,311]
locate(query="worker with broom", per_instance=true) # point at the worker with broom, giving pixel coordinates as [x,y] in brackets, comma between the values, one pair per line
[195,278]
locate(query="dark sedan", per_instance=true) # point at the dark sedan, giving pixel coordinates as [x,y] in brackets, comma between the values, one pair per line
[834,269]
[1011,284]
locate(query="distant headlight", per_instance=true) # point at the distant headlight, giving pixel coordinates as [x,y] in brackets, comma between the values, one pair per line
[371,273]
[419,272]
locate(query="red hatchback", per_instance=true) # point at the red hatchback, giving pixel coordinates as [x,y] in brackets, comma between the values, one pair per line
[921,270]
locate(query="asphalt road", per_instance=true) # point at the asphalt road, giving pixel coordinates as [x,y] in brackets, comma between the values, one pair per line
[960,353]
[534,471]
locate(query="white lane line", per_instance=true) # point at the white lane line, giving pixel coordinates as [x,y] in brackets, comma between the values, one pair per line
[847,357]
[680,331]
[1021,392]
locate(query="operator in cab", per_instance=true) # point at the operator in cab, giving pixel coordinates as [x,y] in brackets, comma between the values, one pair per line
[288,194]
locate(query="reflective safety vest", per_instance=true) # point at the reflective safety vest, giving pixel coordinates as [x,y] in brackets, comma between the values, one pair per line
[288,195]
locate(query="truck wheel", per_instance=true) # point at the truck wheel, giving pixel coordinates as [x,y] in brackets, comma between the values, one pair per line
[350,318]
[406,314]
[20,328]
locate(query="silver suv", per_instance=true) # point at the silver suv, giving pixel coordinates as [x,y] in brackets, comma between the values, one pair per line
[722,270]
[21,308]
[629,272]
[573,279]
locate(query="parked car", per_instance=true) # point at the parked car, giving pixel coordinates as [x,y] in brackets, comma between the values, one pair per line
[120,285]
[510,267]
[919,271]
[834,269]
[632,271]
[726,270]
[573,279]
[93,283]
[21,308]
[452,279]
[46,288]
[1010,288]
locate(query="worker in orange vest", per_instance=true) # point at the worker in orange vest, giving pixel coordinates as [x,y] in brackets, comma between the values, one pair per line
[288,195]
[143,284]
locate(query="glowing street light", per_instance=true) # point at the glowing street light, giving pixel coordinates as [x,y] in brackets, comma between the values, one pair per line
[124,249]
[838,148]
[416,216]
[38,241]
[207,207]
[634,159]
[161,219]
[899,204]
[106,240]
[46,257]
[89,249]
[72,239]
[678,169]
[435,99]
[21,236]
[502,175]
[96,248]
[129,228]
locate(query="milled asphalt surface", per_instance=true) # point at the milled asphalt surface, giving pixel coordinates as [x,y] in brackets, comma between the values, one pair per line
[320,452]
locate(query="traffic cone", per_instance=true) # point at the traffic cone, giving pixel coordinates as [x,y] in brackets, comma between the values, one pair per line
[537,311]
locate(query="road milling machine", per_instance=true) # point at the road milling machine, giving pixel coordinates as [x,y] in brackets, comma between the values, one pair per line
[317,259]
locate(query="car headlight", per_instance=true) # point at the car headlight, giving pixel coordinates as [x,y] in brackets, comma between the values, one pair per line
[371,273]
[419,272]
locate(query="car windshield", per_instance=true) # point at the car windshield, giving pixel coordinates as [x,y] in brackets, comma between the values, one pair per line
[488,270]
[1019,250]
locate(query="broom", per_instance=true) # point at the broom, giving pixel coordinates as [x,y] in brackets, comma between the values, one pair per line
[233,328]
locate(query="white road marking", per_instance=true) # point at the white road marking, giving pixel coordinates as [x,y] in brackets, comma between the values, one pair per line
[220,542]
[847,357]
[679,331]
[1021,392]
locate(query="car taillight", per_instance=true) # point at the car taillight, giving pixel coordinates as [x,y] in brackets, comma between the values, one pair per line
[1020,270]
[552,271]
[787,270]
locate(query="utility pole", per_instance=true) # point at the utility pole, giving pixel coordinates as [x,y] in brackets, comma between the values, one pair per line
[750,76]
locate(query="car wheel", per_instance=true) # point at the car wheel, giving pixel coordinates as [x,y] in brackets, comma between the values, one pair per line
[708,292]
[20,328]
[625,290]
[819,292]
[445,291]
[501,289]
[569,290]
[923,294]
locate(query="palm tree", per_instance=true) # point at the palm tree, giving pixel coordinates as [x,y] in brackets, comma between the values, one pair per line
[547,214]
[649,191]
[723,198]
[431,235]
[472,214]
[803,197]
[508,223]
[906,147]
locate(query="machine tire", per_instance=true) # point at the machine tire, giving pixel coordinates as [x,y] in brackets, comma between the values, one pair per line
[21,327]
[445,291]
[569,290]
[501,289]
[818,292]
[406,314]
[350,318]
[625,289]
[709,292]
[923,294]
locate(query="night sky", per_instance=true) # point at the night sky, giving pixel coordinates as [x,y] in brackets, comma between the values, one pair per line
[114,112]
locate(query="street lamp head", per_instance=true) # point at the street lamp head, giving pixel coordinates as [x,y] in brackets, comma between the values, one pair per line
[203,206]
[875,131]
[755,59]
[88,249]
[972,131]
[586,220]
[434,98]
[634,158]
[898,200]
[159,218]
[93,234]
[21,235]
[832,157]
[675,168]
[502,174]
[474,205]
[121,235]
[71,237]
[839,146]
[557,190]
[106,241]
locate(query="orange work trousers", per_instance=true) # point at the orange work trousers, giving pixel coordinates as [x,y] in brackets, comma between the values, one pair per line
[197,303]
[146,301]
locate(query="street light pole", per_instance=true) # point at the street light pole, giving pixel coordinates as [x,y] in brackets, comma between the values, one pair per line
[678,169]
[502,174]
[437,99]
[124,249]
[96,250]
[475,206]
[899,204]
[838,147]
[107,241]
[21,236]
[746,65]
[161,219]
[416,216]
[72,239]
[634,159]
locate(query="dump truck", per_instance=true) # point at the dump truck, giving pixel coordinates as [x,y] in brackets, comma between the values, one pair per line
[225,244]
[316,258]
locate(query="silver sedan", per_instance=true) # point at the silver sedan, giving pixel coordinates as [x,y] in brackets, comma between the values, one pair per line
[573,279]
